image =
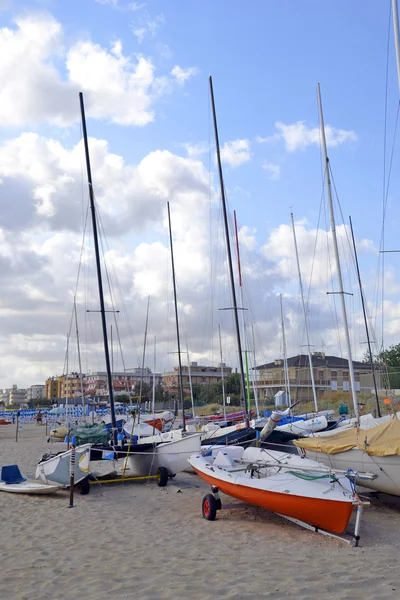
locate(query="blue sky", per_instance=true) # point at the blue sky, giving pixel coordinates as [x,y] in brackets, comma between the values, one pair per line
[265,58]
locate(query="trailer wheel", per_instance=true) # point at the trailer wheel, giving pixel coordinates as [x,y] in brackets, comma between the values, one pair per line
[209,507]
[84,486]
[162,476]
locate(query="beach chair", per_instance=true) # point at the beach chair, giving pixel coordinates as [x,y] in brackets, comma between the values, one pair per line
[12,474]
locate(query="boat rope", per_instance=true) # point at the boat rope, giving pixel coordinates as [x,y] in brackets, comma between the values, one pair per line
[308,477]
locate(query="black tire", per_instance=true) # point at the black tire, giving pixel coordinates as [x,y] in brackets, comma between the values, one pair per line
[84,486]
[162,476]
[209,507]
[218,503]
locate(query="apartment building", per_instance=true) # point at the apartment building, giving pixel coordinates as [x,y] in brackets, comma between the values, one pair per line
[331,373]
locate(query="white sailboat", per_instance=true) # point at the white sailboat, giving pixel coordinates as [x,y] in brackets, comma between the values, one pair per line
[377,448]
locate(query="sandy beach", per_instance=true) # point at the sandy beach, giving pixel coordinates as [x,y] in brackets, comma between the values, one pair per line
[140,541]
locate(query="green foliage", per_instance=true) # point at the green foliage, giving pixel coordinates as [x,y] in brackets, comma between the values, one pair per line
[42,402]
[390,359]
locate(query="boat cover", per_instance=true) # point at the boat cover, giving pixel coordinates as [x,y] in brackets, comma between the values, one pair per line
[383,440]
[91,434]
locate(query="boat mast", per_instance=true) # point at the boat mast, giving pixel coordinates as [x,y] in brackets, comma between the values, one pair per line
[305,316]
[98,267]
[154,377]
[79,361]
[247,390]
[337,258]
[255,374]
[396,36]
[66,381]
[228,249]
[365,320]
[143,356]
[222,373]
[285,363]
[177,328]
[190,377]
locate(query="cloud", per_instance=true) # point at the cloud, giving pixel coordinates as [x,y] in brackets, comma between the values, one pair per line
[297,136]
[183,75]
[46,178]
[146,26]
[194,150]
[118,88]
[236,153]
[273,170]
[130,6]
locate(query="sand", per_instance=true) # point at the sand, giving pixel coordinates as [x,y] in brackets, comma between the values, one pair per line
[139,541]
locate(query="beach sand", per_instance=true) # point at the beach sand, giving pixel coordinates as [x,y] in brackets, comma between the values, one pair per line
[139,541]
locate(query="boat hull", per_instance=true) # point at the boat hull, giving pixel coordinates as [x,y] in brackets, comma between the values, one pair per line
[56,468]
[172,455]
[29,487]
[284,493]
[386,468]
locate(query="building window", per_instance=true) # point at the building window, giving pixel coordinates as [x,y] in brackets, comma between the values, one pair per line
[334,374]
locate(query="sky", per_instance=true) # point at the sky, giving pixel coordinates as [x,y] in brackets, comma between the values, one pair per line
[143,68]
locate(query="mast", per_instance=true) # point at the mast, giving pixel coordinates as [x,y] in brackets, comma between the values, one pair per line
[143,355]
[66,381]
[285,363]
[305,316]
[222,373]
[98,267]
[396,36]
[154,377]
[255,374]
[190,377]
[365,320]
[247,389]
[177,328]
[229,254]
[79,361]
[337,258]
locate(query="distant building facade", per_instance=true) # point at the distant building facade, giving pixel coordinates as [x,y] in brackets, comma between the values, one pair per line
[35,392]
[199,375]
[331,373]
[17,396]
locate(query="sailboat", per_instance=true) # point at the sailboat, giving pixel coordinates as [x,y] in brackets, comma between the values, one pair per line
[169,449]
[376,448]
[170,453]
[293,486]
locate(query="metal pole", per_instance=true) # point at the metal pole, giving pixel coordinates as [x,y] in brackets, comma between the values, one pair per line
[305,316]
[396,36]
[285,365]
[177,327]
[79,361]
[337,259]
[365,319]
[222,373]
[98,267]
[228,249]
[143,357]
[255,374]
[190,376]
[72,474]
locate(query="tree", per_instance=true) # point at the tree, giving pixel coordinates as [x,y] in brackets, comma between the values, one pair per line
[42,402]
[389,359]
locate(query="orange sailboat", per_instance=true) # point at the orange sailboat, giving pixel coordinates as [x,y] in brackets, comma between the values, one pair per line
[292,486]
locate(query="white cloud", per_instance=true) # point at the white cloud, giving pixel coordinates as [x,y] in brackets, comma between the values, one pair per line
[273,170]
[118,88]
[145,26]
[298,136]
[183,75]
[236,153]
[194,150]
